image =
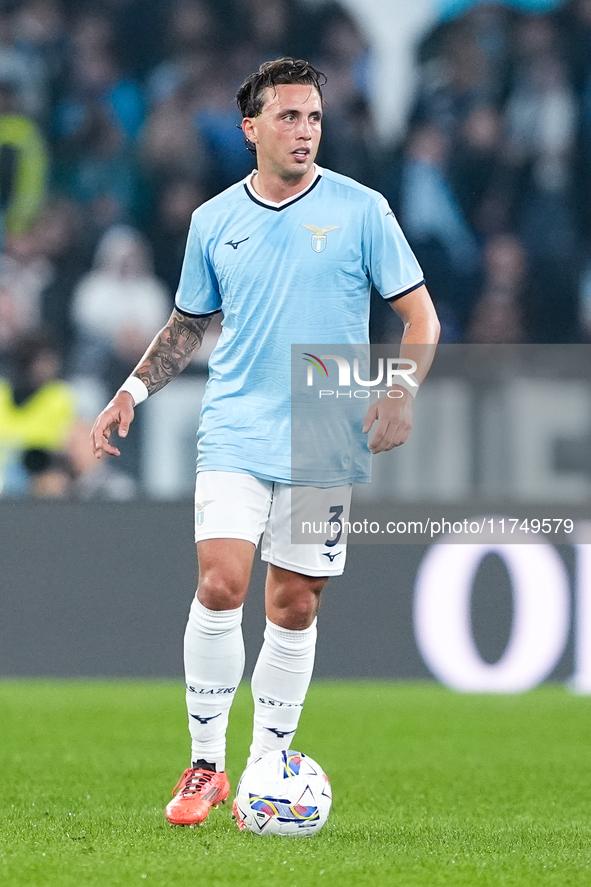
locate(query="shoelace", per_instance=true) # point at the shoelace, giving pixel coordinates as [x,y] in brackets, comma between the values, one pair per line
[192,781]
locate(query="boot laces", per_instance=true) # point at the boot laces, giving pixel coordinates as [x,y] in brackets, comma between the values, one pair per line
[193,781]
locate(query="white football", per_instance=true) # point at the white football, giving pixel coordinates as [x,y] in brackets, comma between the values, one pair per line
[283,793]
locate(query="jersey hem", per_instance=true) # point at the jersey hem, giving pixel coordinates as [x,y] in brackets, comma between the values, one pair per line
[285,479]
[202,537]
[297,568]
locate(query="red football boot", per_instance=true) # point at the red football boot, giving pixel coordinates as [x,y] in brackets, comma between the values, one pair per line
[196,792]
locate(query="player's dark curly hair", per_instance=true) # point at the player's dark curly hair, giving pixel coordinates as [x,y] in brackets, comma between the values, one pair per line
[250,96]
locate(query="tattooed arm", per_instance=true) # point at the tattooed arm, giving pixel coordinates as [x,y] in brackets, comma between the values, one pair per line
[167,356]
[171,350]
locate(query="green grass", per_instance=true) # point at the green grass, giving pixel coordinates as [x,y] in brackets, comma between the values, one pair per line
[430,788]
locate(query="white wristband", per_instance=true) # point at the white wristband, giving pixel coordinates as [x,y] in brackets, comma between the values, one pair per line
[136,388]
[404,382]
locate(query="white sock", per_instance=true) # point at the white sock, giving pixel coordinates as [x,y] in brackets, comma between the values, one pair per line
[214,663]
[279,685]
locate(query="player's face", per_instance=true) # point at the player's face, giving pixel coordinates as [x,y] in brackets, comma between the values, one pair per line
[287,131]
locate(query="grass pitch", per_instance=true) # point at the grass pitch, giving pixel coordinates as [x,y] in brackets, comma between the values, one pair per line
[430,788]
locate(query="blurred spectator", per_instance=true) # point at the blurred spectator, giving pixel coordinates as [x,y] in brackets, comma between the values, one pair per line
[577,41]
[177,200]
[270,29]
[95,80]
[25,72]
[23,164]
[444,243]
[37,409]
[97,119]
[465,65]
[101,175]
[574,19]
[349,142]
[138,26]
[191,126]
[59,237]
[37,274]
[14,319]
[170,145]
[477,173]
[541,109]
[541,116]
[217,120]
[192,37]
[498,316]
[24,273]
[117,307]
[344,56]
[40,34]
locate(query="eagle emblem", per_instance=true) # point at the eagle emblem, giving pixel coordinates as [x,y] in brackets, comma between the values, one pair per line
[199,511]
[319,235]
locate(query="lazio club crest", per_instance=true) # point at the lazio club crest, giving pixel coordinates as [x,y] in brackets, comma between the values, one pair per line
[319,236]
[199,511]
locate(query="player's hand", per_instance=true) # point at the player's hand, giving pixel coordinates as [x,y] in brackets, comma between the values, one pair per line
[117,414]
[393,416]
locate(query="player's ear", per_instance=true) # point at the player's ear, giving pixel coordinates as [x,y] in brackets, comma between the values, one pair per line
[249,129]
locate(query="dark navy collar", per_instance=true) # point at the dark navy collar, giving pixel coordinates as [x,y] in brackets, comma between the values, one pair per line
[277,207]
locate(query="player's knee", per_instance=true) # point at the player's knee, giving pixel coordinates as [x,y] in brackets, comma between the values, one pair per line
[296,607]
[217,591]
[296,617]
[312,591]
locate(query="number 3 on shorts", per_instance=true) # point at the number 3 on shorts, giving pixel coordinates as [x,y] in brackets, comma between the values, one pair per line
[335,511]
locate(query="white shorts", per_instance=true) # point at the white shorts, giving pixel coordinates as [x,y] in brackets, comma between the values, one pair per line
[233,505]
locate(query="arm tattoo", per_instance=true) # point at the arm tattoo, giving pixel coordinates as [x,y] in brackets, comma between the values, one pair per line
[171,350]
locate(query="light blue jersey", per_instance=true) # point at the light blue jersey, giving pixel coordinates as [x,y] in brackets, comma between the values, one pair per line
[298,271]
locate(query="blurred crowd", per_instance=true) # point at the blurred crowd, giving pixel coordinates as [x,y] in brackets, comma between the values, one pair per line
[493,181]
[117,120]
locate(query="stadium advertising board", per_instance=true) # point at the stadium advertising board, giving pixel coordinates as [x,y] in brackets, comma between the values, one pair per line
[543,615]
[479,618]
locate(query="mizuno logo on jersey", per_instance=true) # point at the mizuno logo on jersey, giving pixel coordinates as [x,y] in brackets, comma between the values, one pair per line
[330,555]
[236,243]
[319,239]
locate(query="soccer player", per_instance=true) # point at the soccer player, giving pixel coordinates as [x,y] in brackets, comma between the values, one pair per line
[288,256]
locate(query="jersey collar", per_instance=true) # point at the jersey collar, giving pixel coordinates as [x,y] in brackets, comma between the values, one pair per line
[277,207]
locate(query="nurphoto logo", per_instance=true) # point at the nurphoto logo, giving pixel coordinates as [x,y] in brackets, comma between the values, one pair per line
[390,371]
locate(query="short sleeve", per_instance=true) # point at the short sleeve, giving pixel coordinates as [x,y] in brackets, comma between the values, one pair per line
[390,263]
[198,291]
